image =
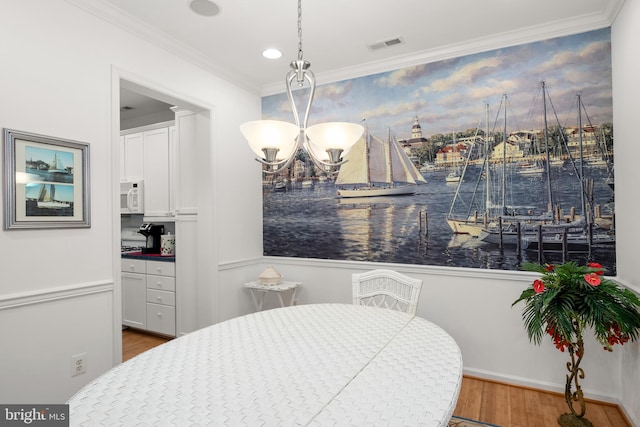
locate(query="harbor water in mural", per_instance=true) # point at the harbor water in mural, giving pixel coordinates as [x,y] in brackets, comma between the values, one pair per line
[507,157]
[311,222]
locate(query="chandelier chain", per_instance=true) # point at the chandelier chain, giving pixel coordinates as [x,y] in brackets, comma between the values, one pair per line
[300,30]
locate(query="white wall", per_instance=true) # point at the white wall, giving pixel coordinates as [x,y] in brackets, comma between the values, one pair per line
[473,305]
[56,74]
[625,34]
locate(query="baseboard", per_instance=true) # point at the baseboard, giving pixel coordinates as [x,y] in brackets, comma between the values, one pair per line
[537,385]
[631,420]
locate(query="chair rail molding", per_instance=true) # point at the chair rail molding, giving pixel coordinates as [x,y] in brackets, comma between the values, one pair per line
[53,294]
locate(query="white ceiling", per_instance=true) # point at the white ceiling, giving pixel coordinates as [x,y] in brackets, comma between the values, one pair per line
[337,33]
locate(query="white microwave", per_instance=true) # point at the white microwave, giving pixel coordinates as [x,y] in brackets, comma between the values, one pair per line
[131,196]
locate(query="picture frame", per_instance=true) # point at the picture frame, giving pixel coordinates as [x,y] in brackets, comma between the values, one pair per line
[46,182]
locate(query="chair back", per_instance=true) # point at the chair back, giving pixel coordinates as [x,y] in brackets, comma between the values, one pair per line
[388,289]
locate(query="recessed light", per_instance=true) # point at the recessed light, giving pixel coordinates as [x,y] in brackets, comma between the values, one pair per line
[204,7]
[272,53]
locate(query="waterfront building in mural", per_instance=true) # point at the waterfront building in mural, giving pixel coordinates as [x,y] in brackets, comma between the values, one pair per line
[570,158]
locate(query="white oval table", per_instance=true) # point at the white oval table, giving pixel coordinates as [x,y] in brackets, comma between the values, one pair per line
[317,365]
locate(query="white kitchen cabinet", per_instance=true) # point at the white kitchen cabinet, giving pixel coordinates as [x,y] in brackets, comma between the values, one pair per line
[133,152]
[148,154]
[161,299]
[149,295]
[134,293]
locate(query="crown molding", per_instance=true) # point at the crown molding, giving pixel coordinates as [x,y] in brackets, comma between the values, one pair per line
[587,22]
[560,28]
[109,13]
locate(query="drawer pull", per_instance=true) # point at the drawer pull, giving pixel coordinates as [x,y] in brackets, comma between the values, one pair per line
[159,298]
[160,315]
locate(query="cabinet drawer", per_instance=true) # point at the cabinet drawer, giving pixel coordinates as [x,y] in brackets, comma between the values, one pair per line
[133,265]
[161,268]
[161,297]
[163,283]
[161,319]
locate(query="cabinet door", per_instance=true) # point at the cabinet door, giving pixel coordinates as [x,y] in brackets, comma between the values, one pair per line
[134,300]
[156,173]
[133,155]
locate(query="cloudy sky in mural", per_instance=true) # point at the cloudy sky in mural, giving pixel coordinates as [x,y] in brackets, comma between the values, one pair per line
[450,95]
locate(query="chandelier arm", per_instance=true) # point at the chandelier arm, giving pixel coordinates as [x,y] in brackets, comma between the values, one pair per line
[308,74]
[310,77]
[328,168]
[289,79]
[276,167]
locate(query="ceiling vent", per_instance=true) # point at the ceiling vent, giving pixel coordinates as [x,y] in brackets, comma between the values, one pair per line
[387,43]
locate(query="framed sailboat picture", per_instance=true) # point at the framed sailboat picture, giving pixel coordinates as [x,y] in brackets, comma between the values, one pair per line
[46,182]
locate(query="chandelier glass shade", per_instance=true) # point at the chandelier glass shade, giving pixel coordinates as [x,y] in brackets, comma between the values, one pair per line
[276,143]
[271,140]
[329,141]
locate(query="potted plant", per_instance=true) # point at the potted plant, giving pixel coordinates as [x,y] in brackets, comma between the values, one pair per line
[565,301]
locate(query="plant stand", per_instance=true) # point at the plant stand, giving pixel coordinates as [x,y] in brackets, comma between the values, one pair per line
[575,418]
[571,420]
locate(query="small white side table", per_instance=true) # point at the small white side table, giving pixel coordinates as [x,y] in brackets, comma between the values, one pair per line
[259,291]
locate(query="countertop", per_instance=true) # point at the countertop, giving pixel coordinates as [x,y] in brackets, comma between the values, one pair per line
[148,257]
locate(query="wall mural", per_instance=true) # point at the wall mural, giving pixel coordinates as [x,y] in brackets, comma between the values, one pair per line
[506,156]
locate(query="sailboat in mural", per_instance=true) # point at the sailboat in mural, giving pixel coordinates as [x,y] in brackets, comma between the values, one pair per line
[489,199]
[513,225]
[590,229]
[494,218]
[376,167]
[454,175]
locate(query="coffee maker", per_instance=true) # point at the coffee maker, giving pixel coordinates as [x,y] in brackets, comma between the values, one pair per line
[153,233]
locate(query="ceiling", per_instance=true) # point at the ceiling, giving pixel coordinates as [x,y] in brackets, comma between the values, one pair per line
[134,104]
[337,34]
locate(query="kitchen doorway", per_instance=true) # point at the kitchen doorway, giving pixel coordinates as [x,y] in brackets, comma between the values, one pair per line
[141,106]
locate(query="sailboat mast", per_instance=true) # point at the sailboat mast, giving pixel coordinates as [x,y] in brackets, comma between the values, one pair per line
[487,149]
[366,154]
[504,157]
[546,145]
[582,195]
[389,161]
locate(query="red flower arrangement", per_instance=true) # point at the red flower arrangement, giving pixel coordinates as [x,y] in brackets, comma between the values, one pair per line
[565,300]
[568,297]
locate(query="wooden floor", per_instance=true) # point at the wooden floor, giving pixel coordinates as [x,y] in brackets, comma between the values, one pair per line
[514,406]
[491,402]
[135,342]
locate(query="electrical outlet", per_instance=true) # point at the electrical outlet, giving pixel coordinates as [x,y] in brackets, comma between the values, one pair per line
[78,364]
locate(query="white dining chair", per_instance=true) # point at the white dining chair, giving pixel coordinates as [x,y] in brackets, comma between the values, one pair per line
[387,289]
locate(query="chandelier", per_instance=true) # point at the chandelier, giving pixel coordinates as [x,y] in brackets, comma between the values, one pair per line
[276,143]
